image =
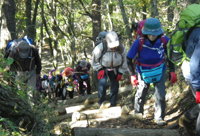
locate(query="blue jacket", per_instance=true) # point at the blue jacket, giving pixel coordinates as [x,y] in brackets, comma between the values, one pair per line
[146,55]
[193,52]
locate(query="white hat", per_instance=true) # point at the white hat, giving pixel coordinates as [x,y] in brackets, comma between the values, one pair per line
[112,39]
[83,63]
[24,49]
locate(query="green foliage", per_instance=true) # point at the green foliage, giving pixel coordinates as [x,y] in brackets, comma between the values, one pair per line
[9,130]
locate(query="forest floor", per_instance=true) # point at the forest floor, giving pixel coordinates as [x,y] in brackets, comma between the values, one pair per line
[177,102]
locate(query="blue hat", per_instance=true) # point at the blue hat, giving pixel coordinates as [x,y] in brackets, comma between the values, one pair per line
[152,26]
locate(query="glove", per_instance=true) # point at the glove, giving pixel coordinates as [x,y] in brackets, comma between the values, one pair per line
[134,81]
[197,97]
[119,76]
[101,74]
[173,77]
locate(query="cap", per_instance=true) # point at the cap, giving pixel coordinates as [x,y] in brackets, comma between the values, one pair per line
[24,49]
[112,39]
[83,63]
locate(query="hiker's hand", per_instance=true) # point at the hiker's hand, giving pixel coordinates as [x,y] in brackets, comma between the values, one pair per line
[101,74]
[134,81]
[173,77]
[119,76]
[197,97]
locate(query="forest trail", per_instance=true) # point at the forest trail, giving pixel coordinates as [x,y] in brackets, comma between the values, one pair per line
[83,116]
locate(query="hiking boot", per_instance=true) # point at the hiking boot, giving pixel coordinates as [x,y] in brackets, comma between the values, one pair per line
[187,124]
[161,122]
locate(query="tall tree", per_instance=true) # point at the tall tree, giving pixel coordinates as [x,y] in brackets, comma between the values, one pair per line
[96,18]
[154,9]
[128,32]
[31,22]
[8,23]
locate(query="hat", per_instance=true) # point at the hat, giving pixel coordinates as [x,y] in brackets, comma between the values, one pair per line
[83,63]
[67,72]
[112,39]
[152,26]
[24,49]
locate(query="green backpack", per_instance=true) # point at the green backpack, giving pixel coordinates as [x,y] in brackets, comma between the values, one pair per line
[189,19]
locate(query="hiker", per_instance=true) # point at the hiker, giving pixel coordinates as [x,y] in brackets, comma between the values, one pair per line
[111,64]
[44,87]
[150,59]
[82,72]
[27,64]
[69,77]
[191,72]
[55,77]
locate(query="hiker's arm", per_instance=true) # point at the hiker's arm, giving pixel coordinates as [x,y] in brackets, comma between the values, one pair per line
[131,69]
[96,54]
[37,62]
[171,66]
[195,67]
[123,67]
[12,66]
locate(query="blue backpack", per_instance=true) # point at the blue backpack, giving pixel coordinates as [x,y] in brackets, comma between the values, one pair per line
[13,43]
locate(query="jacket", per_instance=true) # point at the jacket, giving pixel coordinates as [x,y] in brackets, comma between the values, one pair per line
[193,52]
[110,60]
[26,64]
[146,55]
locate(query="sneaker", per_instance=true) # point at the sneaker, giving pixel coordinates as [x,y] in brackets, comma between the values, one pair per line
[161,122]
[187,124]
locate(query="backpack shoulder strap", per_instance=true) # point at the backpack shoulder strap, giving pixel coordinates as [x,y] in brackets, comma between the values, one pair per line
[141,42]
[164,41]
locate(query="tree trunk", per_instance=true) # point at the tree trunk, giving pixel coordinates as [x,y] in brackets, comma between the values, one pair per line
[128,30]
[154,9]
[96,19]
[7,24]
[16,109]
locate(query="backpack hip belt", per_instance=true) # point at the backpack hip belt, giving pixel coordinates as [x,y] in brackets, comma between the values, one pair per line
[149,65]
[152,75]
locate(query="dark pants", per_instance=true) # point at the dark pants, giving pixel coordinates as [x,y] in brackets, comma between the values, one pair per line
[102,86]
[194,113]
[81,87]
[159,95]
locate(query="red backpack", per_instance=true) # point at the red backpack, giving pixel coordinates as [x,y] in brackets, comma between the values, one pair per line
[141,38]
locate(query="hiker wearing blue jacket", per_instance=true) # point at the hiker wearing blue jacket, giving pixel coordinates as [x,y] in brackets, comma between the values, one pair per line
[148,52]
[191,72]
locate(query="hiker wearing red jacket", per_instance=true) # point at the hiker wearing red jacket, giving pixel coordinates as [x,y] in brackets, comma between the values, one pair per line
[148,52]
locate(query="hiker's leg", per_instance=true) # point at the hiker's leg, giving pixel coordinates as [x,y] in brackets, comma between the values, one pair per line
[114,88]
[193,113]
[140,95]
[88,86]
[159,96]
[71,94]
[102,89]
[31,84]
[80,87]
[198,124]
